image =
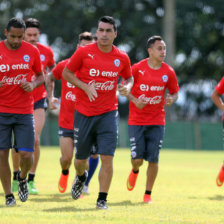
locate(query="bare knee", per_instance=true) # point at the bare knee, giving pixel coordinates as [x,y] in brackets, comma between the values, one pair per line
[136,163]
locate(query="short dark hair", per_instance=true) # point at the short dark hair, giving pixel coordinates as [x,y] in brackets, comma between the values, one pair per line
[85,36]
[152,40]
[16,22]
[32,23]
[108,19]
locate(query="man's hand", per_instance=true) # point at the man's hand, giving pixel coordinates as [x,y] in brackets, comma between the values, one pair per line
[170,99]
[27,86]
[53,103]
[90,90]
[1,84]
[124,90]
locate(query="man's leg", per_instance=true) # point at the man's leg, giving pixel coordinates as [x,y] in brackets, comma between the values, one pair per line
[39,118]
[26,162]
[132,178]
[150,180]
[5,176]
[15,163]
[92,165]
[80,179]
[66,145]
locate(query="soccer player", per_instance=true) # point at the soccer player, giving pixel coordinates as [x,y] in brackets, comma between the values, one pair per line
[32,34]
[217,99]
[94,69]
[146,111]
[66,114]
[19,60]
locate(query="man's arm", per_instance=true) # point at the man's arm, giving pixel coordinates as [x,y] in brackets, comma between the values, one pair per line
[29,86]
[125,89]
[216,98]
[50,84]
[88,89]
[139,103]
[171,98]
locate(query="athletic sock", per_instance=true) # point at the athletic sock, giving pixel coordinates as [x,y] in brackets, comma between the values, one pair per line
[92,167]
[15,173]
[148,192]
[135,171]
[9,195]
[31,177]
[102,196]
[82,178]
[65,172]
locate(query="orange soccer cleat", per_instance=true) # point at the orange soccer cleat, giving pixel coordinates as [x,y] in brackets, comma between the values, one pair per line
[147,198]
[131,180]
[220,177]
[62,184]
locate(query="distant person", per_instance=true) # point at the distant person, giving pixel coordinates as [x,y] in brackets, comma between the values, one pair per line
[146,111]
[94,70]
[32,34]
[217,99]
[19,61]
[66,114]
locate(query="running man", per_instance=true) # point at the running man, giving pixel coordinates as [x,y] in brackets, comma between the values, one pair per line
[18,62]
[217,99]
[66,114]
[146,111]
[32,34]
[94,70]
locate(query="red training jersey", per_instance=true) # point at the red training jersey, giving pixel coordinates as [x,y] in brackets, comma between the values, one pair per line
[150,85]
[67,107]
[15,66]
[47,60]
[93,66]
[220,90]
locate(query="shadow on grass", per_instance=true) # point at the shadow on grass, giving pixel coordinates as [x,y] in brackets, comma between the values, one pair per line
[217,198]
[74,209]
[51,198]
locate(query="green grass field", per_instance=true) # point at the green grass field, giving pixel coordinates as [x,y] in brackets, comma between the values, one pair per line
[185,192]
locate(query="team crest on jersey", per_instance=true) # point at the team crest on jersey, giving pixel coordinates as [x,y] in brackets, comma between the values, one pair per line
[42,57]
[117,62]
[165,78]
[133,154]
[26,58]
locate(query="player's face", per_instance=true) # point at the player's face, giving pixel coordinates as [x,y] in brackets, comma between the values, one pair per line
[14,37]
[105,34]
[158,50]
[85,42]
[32,35]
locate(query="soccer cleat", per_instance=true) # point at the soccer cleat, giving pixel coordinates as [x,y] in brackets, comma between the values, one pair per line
[77,187]
[10,201]
[23,191]
[14,186]
[131,180]
[85,189]
[62,184]
[220,177]
[32,188]
[101,204]
[147,198]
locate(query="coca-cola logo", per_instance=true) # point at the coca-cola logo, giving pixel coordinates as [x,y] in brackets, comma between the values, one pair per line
[14,80]
[151,100]
[104,86]
[70,96]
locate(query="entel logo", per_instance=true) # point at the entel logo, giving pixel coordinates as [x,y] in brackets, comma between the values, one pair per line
[96,72]
[4,68]
[144,87]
